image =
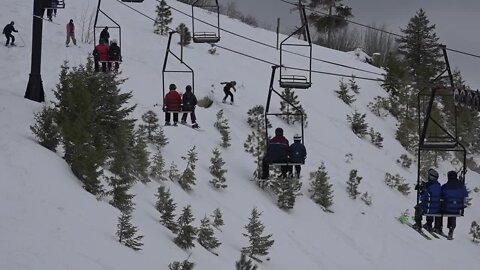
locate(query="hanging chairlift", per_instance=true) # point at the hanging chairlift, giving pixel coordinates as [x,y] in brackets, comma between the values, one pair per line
[53,4]
[443,139]
[114,26]
[297,81]
[268,113]
[206,37]
[166,70]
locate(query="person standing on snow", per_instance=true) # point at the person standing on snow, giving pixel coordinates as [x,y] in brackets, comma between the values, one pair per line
[189,101]
[226,90]
[71,33]
[7,31]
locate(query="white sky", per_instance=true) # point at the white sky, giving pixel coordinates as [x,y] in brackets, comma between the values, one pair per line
[47,221]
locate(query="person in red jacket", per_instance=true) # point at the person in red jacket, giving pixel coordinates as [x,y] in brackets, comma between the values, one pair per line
[172,103]
[100,54]
[277,152]
[71,33]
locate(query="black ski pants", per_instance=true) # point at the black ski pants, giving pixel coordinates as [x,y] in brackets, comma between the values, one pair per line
[227,94]
[9,36]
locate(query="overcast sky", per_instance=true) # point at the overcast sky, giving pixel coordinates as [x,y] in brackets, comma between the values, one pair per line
[457,22]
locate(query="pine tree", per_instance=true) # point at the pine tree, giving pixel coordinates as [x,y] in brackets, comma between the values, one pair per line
[188,176]
[184,265]
[376,138]
[173,173]
[259,244]
[217,171]
[185,35]
[217,219]
[287,189]
[342,93]
[288,105]
[244,263]
[320,189]
[367,199]
[157,167]
[222,126]
[475,231]
[121,199]
[186,233]
[140,157]
[407,134]
[358,124]
[126,232]
[419,45]
[166,207]
[151,124]
[352,84]
[206,236]
[164,18]
[160,140]
[45,129]
[256,141]
[352,184]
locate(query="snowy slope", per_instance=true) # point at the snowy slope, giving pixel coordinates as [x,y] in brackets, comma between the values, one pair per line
[47,221]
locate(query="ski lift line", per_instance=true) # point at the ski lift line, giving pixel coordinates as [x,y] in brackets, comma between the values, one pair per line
[374,28]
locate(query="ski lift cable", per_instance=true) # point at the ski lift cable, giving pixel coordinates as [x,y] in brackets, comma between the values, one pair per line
[263,60]
[374,28]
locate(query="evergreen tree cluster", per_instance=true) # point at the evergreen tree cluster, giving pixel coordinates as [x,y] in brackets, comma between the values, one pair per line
[475,231]
[184,265]
[343,93]
[379,106]
[352,184]
[320,189]
[45,129]
[358,124]
[397,182]
[376,138]
[404,161]
[256,142]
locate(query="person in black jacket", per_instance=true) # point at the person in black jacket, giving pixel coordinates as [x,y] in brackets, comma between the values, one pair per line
[298,154]
[7,31]
[104,35]
[189,101]
[226,90]
[114,55]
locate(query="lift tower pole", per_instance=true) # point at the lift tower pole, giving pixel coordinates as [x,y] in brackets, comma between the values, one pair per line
[35,88]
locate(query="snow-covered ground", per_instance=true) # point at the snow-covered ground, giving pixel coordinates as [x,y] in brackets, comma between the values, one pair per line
[47,221]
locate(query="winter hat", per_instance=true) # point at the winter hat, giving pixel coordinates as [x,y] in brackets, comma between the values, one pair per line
[452,174]
[234,82]
[432,174]
[188,88]
[71,21]
[278,132]
[114,41]
[12,22]
[172,87]
[297,137]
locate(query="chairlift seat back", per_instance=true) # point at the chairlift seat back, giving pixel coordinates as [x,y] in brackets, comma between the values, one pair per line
[294,81]
[52,4]
[205,37]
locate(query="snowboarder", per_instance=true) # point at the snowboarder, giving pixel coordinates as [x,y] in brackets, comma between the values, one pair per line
[71,33]
[277,152]
[7,31]
[172,103]
[114,55]
[226,90]
[430,203]
[189,101]
[104,35]
[298,154]
[454,194]
[100,54]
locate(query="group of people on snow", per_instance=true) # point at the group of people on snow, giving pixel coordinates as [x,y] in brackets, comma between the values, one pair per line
[437,200]
[279,151]
[174,103]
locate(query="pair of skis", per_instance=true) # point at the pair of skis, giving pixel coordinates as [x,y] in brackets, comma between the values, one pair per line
[405,220]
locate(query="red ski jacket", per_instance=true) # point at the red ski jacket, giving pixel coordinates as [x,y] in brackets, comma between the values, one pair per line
[102,52]
[172,101]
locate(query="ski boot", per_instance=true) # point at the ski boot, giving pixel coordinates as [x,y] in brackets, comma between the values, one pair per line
[195,125]
[167,124]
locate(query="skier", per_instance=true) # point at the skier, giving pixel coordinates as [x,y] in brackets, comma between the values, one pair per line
[277,152]
[104,35]
[454,194]
[71,33]
[100,54]
[226,90]
[189,102]
[7,31]
[172,103]
[114,55]
[430,203]
[298,154]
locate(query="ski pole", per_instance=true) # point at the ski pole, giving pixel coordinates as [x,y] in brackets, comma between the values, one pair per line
[21,38]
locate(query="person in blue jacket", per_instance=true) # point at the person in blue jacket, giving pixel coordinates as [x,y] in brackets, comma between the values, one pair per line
[298,154]
[453,194]
[430,196]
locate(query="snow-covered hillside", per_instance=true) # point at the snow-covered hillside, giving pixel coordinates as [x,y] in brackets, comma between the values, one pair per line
[47,221]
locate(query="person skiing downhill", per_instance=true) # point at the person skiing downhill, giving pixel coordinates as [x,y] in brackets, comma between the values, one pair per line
[7,31]
[189,101]
[226,90]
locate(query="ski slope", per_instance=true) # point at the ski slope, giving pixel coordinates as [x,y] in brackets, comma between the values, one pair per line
[47,221]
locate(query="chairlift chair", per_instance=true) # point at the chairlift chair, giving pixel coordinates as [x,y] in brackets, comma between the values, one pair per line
[53,4]
[133,1]
[206,37]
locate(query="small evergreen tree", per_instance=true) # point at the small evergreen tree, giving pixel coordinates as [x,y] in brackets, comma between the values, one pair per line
[45,129]
[157,167]
[184,265]
[217,171]
[244,263]
[188,176]
[407,134]
[217,218]
[173,173]
[342,93]
[121,199]
[213,49]
[376,138]
[398,182]
[404,161]
[475,231]
[256,141]
[166,207]
[287,189]
[140,158]
[159,138]
[352,184]
[379,106]
[186,232]
[185,35]
[164,18]
[352,84]
[259,244]
[288,106]
[151,124]
[206,236]
[321,190]
[222,125]
[367,199]
[126,232]
[358,124]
